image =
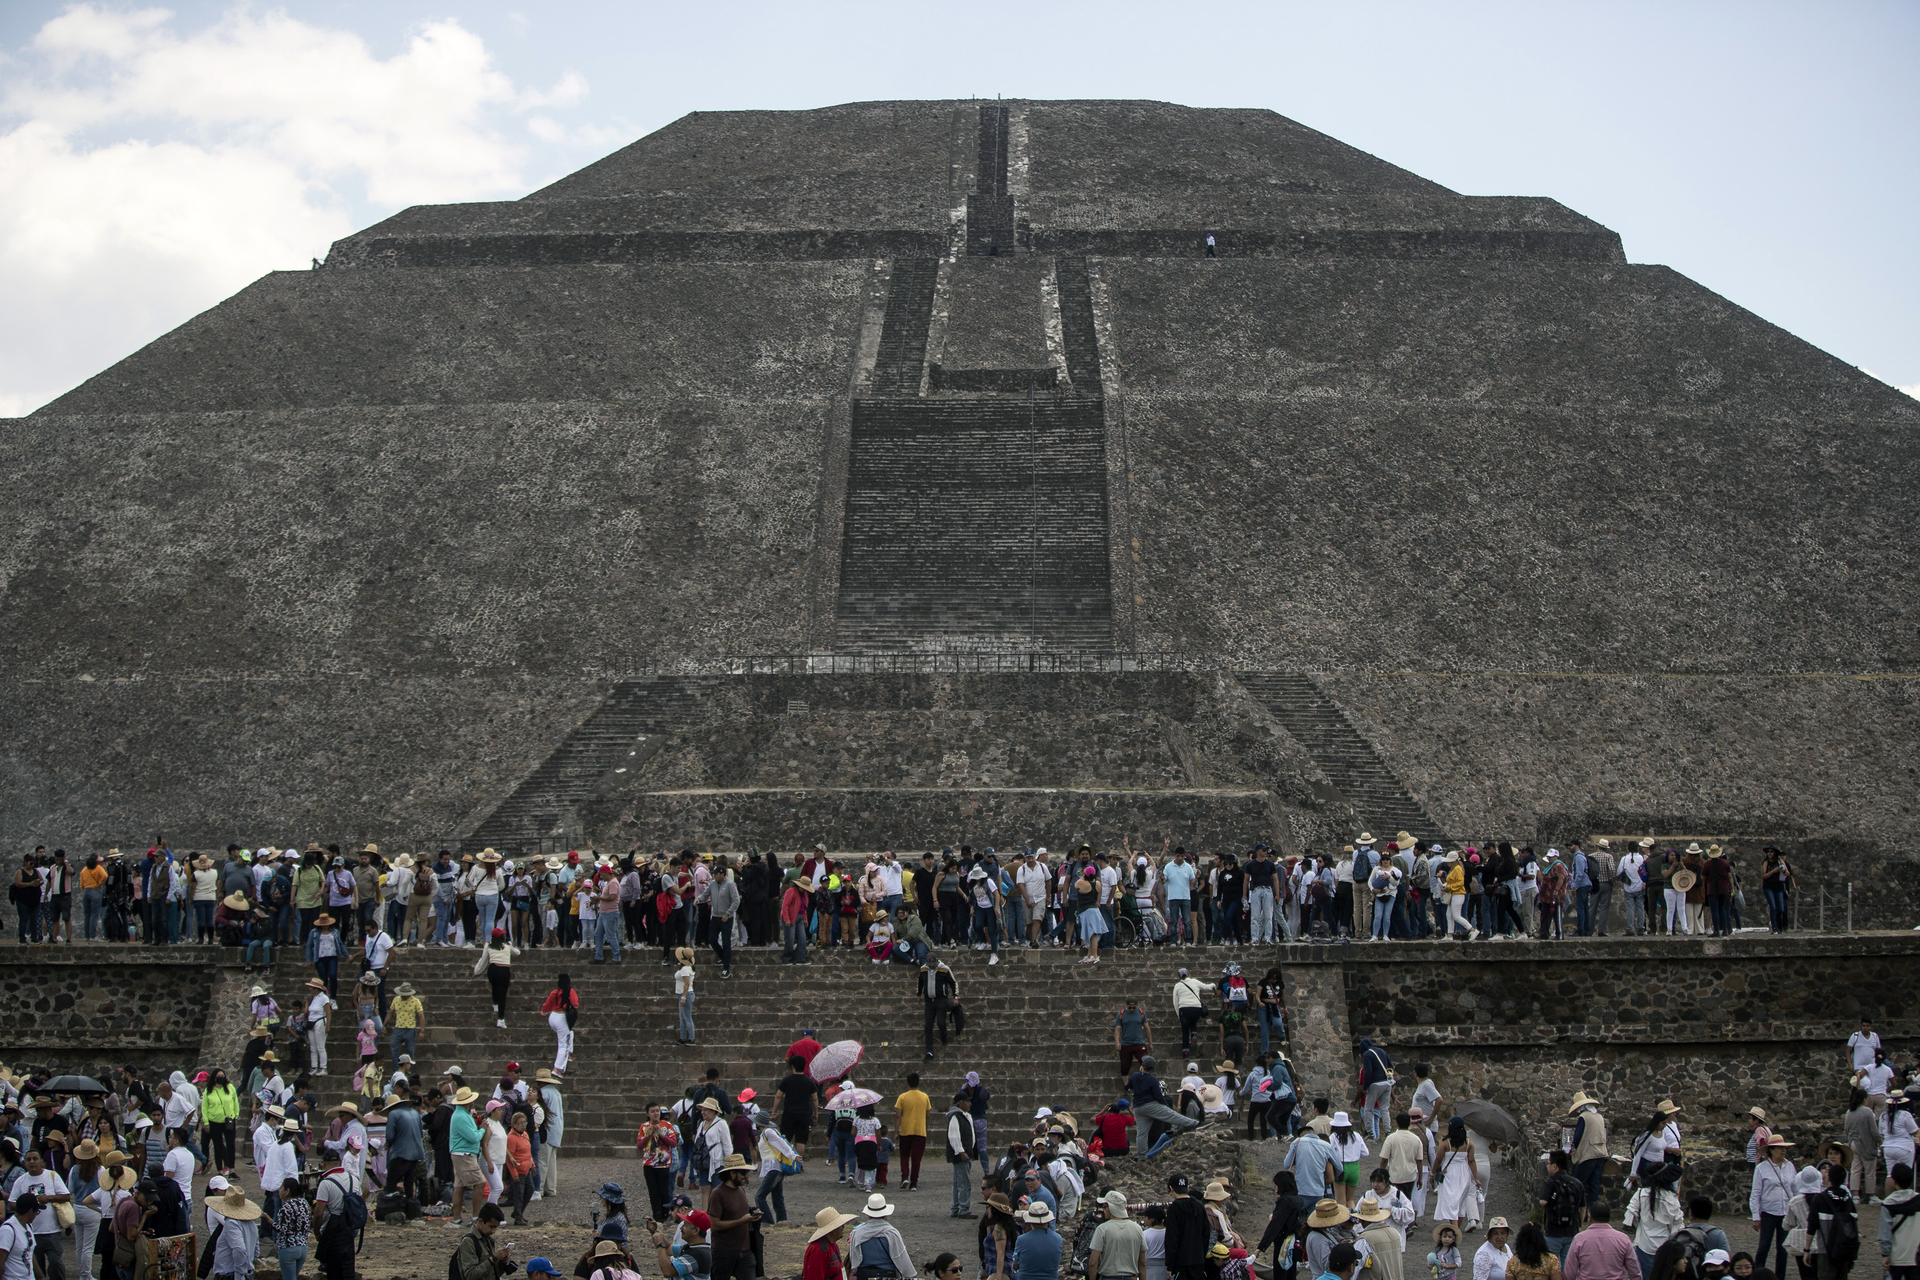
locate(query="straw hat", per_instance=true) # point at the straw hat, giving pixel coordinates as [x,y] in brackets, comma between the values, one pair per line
[1684,880]
[236,901]
[545,1076]
[828,1221]
[464,1097]
[1581,1100]
[86,1149]
[734,1161]
[709,1104]
[1667,1107]
[268,1056]
[1758,1113]
[1371,1210]
[256,993]
[1695,847]
[1777,1141]
[1226,1066]
[683,954]
[121,1179]
[877,1207]
[113,1159]
[347,1108]
[316,984]
[405,989]
[608,1249]
[1215,1192]
[1646,842]
[1496,1224]
[1366,838]
[235,1205]
[203,863]
[322,920]
[1328,1213]
[488,855]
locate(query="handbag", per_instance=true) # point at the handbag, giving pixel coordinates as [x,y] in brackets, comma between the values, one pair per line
[63,1214]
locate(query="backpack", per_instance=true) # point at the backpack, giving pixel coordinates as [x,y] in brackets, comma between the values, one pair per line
[353,1206]
[700,1158]
[843,1122]
[1236,990]
[1695,1239]
[1840,1233]
[1565,1201]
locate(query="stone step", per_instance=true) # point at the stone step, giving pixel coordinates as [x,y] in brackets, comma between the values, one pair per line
[902,357]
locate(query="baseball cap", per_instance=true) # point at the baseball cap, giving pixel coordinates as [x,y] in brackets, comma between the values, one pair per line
[540,1267]
[1178,1182]
[698,1220]
[1717,1257]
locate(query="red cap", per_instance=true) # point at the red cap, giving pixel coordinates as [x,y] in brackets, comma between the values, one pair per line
[748,1095]
[574,856]
[202,1078]
[499,934]
[513,1066]
[698,1220]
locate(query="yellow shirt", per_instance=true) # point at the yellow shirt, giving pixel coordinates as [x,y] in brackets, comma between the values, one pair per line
[405,1011]
[912,1107]
[93,877]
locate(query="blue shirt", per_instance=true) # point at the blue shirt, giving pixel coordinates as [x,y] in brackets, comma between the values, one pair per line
[1581,880]
[1178,875]
[1308,1159]
[1036,1255]
[403,1135]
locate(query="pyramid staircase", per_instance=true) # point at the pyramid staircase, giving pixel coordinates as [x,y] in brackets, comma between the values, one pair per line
[547,799]
[1318,724]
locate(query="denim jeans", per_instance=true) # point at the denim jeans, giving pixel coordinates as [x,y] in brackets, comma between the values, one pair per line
[1777,909]
[1271,1024]
[1263,917]
[1180,919]
[962,1188]
[1637,912]
[405,1040]
[292,1258]
[1583,910]
[488,906]
[793,941]
[606,929]
[840,1152]
[260,951]
[444,914]
[92,904]
[770,1192]
[1382,916]
[985,922]
[686,1017]
[203,917]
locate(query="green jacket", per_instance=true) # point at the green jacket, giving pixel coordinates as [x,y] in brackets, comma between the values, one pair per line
[220,1105]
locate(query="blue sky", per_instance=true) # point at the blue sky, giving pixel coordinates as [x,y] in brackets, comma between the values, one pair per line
[154,160]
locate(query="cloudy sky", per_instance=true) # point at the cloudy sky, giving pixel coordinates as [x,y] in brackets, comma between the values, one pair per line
[154,160]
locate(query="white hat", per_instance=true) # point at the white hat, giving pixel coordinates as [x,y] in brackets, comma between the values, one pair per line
[1043,1113]
[216,1183]
[877,1207]
[977,874]
[1340,1118]
[1140,861]
[1041,851]
[1116,1202]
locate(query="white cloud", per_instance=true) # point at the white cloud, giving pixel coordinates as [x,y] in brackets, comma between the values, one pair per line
[145,174]
[1913,390]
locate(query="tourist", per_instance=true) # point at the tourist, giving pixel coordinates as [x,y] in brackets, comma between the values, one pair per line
[961,1153]
[1600,1252]
[1491,1258]
[875,1246]
[324,950]
[1377,1232]
[1900,1225]
[1654,1215]
[1457,1176]
[1659,1142]
[1328,1227]
[1403,1156]
[1772,1190]
[496,961]
[1315,1166]
[1119,1246]
[1862,1129]
[1036,1251]
[1349,1149]
[1444,1261]
[1532,1259]
[822,1260]
[1633,888]
[1831,1204]
[1188,1006]
[1777,882]
[1588,1154]
[1376,1086]
[1563,1197]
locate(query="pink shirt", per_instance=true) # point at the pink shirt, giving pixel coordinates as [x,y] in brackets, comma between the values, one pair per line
[1601,1253]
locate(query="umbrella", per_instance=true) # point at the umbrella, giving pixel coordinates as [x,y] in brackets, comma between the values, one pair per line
[1491,1121]
[855,1098]
[835,1060]
[73,1084]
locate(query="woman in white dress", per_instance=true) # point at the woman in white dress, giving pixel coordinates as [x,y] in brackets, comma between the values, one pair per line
[1456,1178]
[1897,1129]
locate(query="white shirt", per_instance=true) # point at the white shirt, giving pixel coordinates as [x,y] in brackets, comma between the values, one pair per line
[1109,879]
[17,1240]
[399,884]
[47,1182]
[1633,871]
[1490,1263]
[317,1008]
[1864,1047]
[283,1162]
[178,1110]
[179,1167]
[1033,881]
[1877,1080]
[378,946]
[890,877]
[683,980]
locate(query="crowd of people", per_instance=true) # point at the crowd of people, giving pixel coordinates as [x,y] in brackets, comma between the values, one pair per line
[1376,890]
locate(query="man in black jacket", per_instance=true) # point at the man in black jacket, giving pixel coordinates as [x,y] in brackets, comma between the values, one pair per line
[755,887]
[940,996]
[1186,1232]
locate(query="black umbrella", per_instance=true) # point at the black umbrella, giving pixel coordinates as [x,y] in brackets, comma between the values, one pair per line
[73,1084]
[1491,1121]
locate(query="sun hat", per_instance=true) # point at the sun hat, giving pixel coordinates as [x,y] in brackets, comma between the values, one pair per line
[1038,1213]
[1666,1107]
[86,1149]
[1215,1191]
[1226,1066]
[1496,1224]
[1371,1210]
[607,1249]
[1116,1202]
[235,1205]
[321,921]
[347,1108]
[1438,1227]
[734,1162]
[290,1126]
[1366,837]
[544,1076]
[464,1097]
[1777,1141]
[1758,1113]
[1581,1100]
[709,1104]
[877,1207]
[1340,1118]
[828,1221]
[1328,1213]
[404,989]
[683,954]
[257,992]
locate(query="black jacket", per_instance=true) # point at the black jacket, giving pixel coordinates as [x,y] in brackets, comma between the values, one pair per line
[1187,1233]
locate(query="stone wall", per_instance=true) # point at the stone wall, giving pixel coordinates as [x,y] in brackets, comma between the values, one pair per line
[91,1008]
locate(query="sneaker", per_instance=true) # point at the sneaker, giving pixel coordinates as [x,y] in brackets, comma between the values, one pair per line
[1473,935]
[994,958]
[929,1054]
[500,1023]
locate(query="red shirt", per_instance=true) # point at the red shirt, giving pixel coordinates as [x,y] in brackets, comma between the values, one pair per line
[553,1003]
[1113,1126]
[804,1048]
[822,1262]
